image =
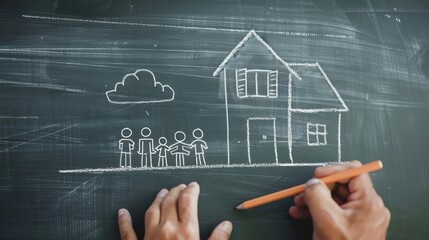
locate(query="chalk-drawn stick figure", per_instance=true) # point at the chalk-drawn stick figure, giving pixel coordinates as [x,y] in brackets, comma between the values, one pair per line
[126,145]
[199,145]
[146,147]
[180,149]
[162,148]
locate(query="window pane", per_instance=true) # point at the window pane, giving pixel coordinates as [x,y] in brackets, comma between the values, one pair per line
[251,83]
[322,139]
[311,128]
[262,83]
[312,139]
[321,128]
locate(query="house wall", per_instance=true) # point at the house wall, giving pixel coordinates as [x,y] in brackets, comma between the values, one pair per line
[301,151]
[241,109]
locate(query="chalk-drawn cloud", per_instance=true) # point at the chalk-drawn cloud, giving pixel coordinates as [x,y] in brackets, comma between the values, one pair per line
[140,87]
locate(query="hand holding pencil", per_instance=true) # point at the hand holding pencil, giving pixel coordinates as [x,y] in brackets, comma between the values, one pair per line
[353,210]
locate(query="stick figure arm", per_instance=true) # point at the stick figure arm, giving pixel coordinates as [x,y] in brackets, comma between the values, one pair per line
[186,152]
[132,144]
[204,144]
[173,147]
[152,150]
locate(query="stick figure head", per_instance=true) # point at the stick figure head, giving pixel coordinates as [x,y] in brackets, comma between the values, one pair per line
[126,132]
[162,140]
[198,133]
[179,136]
[146,132]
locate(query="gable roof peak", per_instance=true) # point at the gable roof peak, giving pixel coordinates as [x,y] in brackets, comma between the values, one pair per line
[241,44]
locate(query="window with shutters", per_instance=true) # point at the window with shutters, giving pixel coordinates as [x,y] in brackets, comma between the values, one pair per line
[256,83]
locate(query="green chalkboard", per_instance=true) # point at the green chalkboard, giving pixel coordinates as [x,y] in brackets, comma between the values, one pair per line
[105,102]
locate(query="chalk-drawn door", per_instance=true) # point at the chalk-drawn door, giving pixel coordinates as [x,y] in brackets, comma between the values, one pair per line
[261,140]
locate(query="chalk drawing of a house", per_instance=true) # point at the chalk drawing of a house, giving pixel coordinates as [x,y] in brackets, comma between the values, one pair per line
[278,112]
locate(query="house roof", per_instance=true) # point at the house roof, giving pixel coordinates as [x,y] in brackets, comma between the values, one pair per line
[315,92]
[250,35]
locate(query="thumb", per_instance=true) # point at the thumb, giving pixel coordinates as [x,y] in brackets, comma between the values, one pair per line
[318,198]
[222,231]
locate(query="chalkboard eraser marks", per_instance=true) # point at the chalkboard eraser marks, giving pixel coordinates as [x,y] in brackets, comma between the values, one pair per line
[336,177]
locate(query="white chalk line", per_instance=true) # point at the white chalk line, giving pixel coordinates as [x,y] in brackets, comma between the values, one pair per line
[44,86]
[332,87]
[214,166]
[55,62]
[339,137]
[289,118]
[19,117]
[163,87]
[337,94]
[38,138]
[241,44]
[274,136]
[287,33]
[85,50]
[34,130]
[227,118]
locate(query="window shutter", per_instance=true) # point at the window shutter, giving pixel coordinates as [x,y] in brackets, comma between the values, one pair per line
[241,82]
[273,83]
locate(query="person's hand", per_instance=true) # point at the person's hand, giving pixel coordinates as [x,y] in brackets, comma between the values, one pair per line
[353,210]
[172,215]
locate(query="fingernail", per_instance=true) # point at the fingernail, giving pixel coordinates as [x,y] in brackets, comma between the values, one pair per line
[182,185]
[193,184]
[226,226]
[312,182]
[121,212]
[163,193]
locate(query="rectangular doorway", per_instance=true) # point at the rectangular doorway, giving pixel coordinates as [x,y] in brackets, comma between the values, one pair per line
[261,141]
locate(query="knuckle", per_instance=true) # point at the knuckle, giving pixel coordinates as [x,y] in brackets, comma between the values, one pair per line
[167,229]
[150,214]
[168,203]
[189,229]
[387,214]
[186,198]
[378,203]
[320,170]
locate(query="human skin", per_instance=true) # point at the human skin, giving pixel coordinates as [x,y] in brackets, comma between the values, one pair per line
[353,210]
[172,215]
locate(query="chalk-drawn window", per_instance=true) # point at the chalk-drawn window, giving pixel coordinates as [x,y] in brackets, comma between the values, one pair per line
[256,83]
[316,134]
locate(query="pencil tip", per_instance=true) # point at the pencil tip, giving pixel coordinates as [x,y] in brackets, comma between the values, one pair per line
[240,206]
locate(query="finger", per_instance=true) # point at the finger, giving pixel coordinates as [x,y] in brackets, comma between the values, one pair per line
[299,212]
[299,201]
[331,169]
[188,203]
[169,205]
[318,198]
[126,225]
[153,213]
[222,231]
[361,188]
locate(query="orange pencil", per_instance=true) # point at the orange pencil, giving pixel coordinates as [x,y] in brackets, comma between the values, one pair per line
[336,177]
